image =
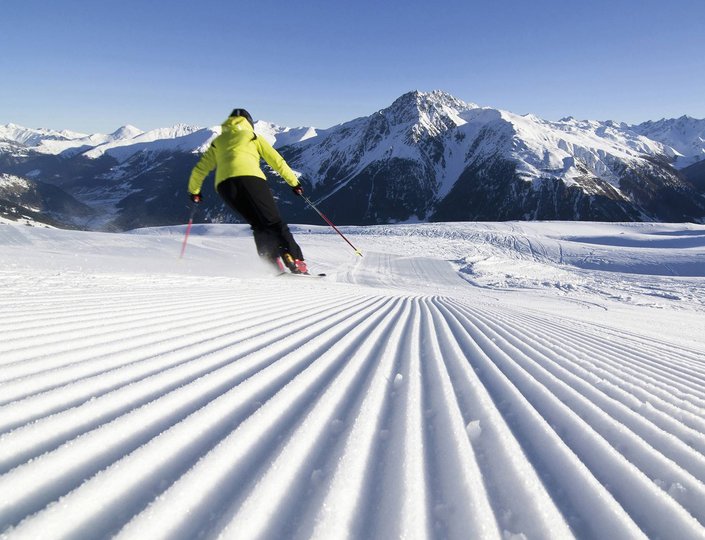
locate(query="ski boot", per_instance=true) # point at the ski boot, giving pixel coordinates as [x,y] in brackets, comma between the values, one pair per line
[295,266]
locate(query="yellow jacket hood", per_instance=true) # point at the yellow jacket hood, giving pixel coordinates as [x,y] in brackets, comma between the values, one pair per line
[237,123]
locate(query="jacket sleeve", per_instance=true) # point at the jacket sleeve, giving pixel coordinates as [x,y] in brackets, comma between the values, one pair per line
[276,161]
[204,166]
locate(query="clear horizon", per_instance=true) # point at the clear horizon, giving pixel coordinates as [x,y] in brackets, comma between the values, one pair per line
[90,68]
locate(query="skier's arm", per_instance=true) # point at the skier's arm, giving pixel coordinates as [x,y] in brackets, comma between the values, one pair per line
[204,166]
[276,162]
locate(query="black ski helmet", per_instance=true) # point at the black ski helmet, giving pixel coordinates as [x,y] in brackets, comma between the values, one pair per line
[242,112]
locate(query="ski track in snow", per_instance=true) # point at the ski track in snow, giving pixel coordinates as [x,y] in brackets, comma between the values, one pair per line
[385,404]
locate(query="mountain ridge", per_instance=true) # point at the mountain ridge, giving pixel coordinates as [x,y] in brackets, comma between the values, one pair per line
[429,156]
[426,151]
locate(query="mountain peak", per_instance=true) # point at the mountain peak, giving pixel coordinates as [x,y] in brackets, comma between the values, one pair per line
[126,132]
[425,101]
[435,111]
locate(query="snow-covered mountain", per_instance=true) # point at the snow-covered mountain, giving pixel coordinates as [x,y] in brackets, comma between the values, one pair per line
[178,138]
[129,140]
[432,157]
[686,135]
[426,157]
[34,137]
[46,141]
[281,136]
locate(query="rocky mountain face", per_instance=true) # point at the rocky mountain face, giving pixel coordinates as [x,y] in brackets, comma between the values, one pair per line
[427,157]
[431,157]
[35,201]
[695,174]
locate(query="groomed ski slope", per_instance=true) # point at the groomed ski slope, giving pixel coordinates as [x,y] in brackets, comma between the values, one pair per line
[507,380]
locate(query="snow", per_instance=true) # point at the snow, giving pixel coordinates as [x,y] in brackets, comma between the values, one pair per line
[31,137]
[12,182]
[279,136]
[565,149]
[685,135]
[49,141]
[179,137]
[461,380]
[129,140]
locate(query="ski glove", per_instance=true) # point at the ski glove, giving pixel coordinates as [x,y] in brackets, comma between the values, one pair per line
[298,190]
[196,197]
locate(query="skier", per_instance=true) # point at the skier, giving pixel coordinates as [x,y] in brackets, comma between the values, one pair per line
[239,180]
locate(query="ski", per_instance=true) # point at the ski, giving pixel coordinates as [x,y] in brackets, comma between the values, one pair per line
[302,275]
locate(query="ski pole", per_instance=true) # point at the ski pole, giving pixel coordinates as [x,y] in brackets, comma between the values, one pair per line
[328,221]
[188,229]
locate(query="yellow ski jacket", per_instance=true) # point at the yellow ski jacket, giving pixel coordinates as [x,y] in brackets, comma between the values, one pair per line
[237,152]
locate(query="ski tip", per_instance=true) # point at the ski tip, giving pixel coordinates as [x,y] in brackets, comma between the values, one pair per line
[358,252]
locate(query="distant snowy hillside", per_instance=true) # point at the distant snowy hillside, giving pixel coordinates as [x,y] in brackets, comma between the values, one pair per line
[279,136]
[129,140]
[55,142]
[176,138]
[34,137]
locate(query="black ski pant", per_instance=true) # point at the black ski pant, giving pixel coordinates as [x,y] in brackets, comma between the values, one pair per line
[251,197]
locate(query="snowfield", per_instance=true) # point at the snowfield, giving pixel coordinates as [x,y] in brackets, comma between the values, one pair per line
[476,380]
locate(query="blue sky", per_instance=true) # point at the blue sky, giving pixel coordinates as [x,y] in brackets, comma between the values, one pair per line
[93,66]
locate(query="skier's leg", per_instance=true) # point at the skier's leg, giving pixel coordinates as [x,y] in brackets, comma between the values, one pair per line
[234,193]
[287,242]
[273,226]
